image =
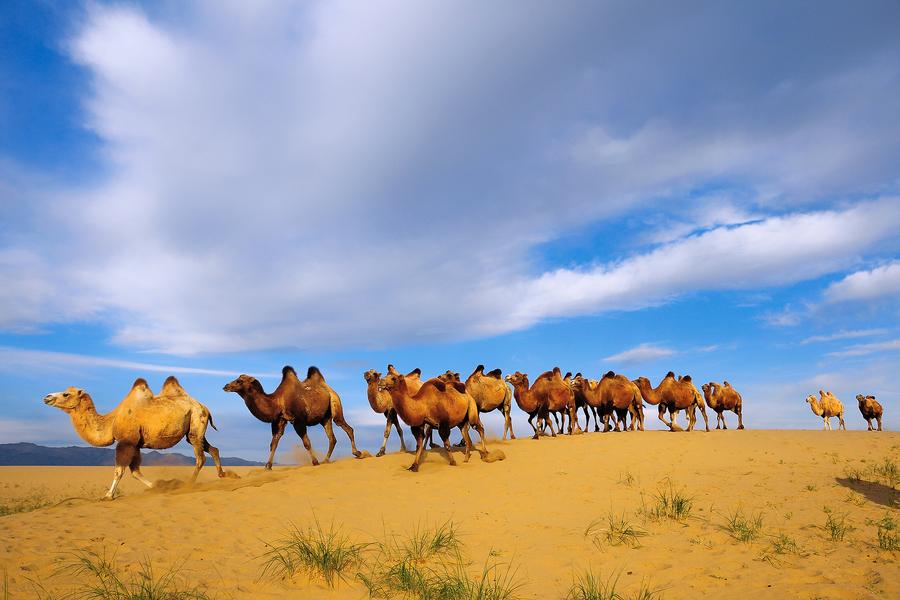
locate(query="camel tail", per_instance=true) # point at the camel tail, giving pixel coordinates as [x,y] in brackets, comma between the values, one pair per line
[211,424]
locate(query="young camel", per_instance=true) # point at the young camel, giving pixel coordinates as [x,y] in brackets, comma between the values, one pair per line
[380,401]
[674,395]
[140,421]
[303,403]
[532,401]
[870,409]
[829,406]
[437,405]
[721,398]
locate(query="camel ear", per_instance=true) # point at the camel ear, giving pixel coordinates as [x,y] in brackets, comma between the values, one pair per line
[496,373]
[460,387]
[439,385]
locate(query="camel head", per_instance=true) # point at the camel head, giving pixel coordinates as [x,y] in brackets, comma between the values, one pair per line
[811,399]
[641,381]
[517,378]
[391,381]
[449,376]
[371,375]
[242,384]
[578,382]
[68,400]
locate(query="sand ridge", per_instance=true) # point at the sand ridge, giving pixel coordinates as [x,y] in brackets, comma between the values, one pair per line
[531,509]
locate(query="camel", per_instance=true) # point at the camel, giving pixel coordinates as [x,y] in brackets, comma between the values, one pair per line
[437,405]
[141,421]
[870,409]
[829,406]
[381,403]
[562,401]
[721,398]
[489,392]
[613,394]
[673,395]
[549,390]
[303,403]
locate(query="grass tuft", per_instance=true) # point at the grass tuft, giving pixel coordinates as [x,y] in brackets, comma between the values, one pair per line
[315,551]
[618,531]
[888,534]
[780,545]
[744,528]
[888,471]
[591,586]
[103,580]
[836,525]
[668,503]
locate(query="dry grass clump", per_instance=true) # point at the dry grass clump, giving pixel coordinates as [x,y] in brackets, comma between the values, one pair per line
[617,531]
[888,533]
[836,525]
[315,551]
[591,586]
[668,503]
[744,528]
[779,546]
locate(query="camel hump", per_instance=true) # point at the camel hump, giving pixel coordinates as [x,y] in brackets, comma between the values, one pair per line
[686,378]
[288,369]
[609,374]
[726,384]
[392,370]
[460,386]
[496,373]
[670,374]
[479,369]
[140,381]
[556,371]
[314,371]
[171,383]
[441,387]
[415,372]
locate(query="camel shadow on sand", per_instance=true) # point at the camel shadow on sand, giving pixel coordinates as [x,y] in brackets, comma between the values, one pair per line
[873,491]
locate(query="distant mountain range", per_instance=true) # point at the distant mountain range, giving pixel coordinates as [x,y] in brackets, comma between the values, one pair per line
[24,453]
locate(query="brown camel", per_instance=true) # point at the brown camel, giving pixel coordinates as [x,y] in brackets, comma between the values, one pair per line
[870,409]
[829,406]
[548,390]
[437,405]
[303,403]
[141,421]
[613,394]
[380,402]
[673,395]
[489,392]
[561,401]
[721,398]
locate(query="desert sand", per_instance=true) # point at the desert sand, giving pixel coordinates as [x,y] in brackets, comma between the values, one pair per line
[530,511]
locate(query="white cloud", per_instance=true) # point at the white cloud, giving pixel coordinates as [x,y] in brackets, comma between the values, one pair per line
[843,335]
[312,175]
[866,349]
[881,282]
[642,353]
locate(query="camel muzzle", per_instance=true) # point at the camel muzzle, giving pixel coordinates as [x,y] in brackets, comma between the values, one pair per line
[48,400]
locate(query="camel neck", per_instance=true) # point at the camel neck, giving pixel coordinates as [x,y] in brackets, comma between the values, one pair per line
[261,405]
[649,393]
[524,397]
[817,407]
[92,427]
[408,409]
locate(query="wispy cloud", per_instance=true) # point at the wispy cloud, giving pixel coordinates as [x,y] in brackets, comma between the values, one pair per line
[642,353]
[866,349]
[843,335]
[880,282]
[12,358]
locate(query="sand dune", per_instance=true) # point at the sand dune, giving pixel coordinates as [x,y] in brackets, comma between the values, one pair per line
[530,510]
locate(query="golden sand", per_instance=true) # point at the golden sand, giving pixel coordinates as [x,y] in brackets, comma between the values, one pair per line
[530,510]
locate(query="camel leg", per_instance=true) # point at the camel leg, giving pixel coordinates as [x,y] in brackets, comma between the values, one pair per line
[214,452]
[277,431]
[724,422]
[467,441]
[879,422]
[300,428]
[596,419]
[387,432]
[587,417]
[444,432]
[841,419]
[135,467]
[739,412]
[199,458]
[396,422]
[574,427]
[419,435]
[329,433]
[827,424]
[673,418]
[343,424]
[533,426]
[124,456]
[705,417]
[691,416]
[662,415]
[507,419]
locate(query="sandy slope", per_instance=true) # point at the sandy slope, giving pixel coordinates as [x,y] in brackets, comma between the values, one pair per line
[531,509]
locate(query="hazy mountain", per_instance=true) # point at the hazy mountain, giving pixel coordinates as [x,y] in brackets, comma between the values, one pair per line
[24,453]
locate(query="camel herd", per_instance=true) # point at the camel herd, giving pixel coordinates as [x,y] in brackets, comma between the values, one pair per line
[552,402]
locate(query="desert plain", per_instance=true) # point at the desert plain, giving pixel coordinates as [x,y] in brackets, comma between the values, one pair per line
[761,514]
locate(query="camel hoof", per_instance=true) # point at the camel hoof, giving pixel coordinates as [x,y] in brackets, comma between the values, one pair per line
[315,463]
[381,452]
[740,427]
[414,468]
[363,454]
[106,498]
[534,437]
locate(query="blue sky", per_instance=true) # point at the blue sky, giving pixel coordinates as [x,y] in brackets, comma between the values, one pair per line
[216,188]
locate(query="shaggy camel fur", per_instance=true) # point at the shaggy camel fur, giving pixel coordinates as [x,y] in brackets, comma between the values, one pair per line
[722,397]
[673,395]
[534,400]
[489,392]
[141,421]
[437,405]
[827,407]
[613,394]
[303,403]
[870,409]
[380,401]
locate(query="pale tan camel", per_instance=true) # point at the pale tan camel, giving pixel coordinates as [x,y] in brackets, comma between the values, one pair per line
[140,421]
[437,405]
[829,406]
[721,398]
[613,396]
[380,401]
[870,409]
